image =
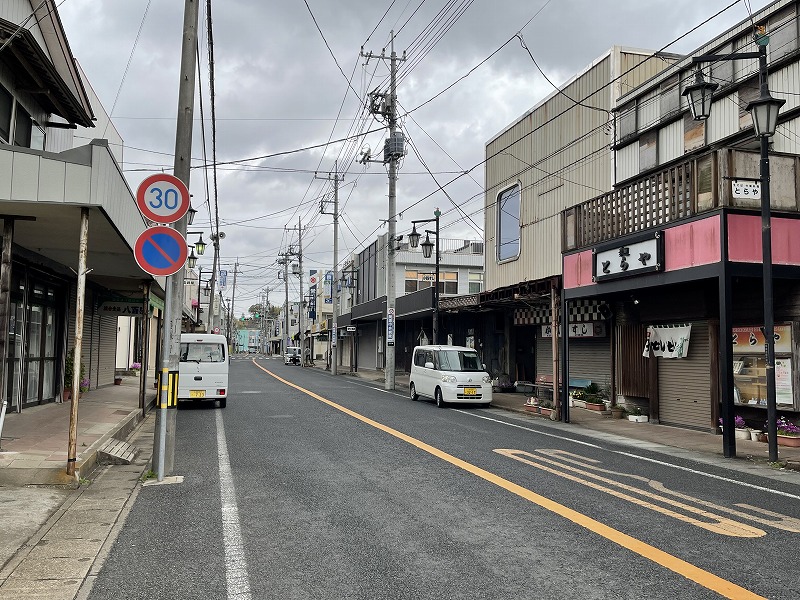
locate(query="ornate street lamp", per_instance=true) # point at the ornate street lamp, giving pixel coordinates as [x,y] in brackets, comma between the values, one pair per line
[427,251]
[764,112]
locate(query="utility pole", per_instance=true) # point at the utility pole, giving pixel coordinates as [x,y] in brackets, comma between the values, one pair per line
[166,417]
[284,260]
[233,300]
[334,296]
[299,254]
[393,150]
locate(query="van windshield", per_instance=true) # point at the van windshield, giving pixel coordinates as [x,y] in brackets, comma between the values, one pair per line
[202,352]
[459,360]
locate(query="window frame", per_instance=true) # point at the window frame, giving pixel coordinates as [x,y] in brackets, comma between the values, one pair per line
[502,198]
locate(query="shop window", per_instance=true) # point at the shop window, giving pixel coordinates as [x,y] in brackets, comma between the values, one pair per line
[475,283]
[411,281]
[749,369]
[508,223]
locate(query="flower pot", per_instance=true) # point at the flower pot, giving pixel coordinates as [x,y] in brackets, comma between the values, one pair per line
[117,380]
[637,418]
[66,394]
[741,434]
[790,441]
[593,406]
[617,412]
[579,403]
[754,434]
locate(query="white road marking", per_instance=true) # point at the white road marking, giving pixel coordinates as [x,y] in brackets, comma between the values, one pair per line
[235,562]
[631,455]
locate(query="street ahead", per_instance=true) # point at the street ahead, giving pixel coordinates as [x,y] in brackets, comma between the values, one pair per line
[310,486]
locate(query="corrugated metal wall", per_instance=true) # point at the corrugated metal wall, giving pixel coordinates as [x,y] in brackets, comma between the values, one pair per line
[588,358]
[684,384]
[107,345]
[724,119]
[670,142]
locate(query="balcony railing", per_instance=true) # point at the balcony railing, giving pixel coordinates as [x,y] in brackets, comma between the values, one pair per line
[642,204]
[677,193]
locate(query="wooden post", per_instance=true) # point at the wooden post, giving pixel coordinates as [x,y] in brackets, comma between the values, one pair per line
[72,449]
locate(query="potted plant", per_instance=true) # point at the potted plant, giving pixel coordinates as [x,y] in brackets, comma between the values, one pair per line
[788,433]
[741,430]
[532,405]
[136,367]
[578,398]
[546,408]
[594,397]
[617,411]
[637,415]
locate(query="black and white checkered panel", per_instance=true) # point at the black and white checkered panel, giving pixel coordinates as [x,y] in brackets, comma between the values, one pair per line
[580,311]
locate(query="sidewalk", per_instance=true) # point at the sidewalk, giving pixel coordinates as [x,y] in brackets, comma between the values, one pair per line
[675,441]
[33,448]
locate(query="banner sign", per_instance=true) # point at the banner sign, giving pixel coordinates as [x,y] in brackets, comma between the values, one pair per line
[390,326]
[668,341]
[750,340]
[223,280]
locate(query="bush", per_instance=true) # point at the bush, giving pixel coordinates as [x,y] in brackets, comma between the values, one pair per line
[69,371]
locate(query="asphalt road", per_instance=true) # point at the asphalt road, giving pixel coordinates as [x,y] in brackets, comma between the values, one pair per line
[310,486]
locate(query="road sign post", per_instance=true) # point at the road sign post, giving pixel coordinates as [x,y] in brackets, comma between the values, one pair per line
[163,198]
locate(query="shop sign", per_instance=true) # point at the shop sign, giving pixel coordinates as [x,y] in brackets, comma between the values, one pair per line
[645,255]
[668,341]
[592,329]
[129,308]
[351,329]
[750,340]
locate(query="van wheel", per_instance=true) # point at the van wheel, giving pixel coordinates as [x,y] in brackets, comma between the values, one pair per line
[439,400]
[413,393]
[223,402]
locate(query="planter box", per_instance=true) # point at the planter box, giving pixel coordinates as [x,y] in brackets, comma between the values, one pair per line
[532,408]
[788,441]
[592,406]
[579,403]
[637,418]
[546,412]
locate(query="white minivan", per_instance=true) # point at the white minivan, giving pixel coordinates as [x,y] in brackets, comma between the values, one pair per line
[203,368]
[449,374]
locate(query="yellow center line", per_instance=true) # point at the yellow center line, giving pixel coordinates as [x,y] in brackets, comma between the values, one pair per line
[700,576]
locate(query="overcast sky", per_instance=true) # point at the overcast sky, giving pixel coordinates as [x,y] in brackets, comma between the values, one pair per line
[278,89]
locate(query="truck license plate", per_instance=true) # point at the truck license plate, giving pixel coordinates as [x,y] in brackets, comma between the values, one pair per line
[197,393]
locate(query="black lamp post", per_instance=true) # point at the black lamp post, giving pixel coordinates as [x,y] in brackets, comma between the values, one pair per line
[764,111]
[427,250]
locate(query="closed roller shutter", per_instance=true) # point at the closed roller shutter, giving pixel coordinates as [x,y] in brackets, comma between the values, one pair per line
[588,358]
[684,384]
[108,348]
[544,356]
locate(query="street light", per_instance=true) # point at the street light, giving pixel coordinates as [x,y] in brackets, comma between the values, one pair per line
[199,245]
[192,260]
[427,250]
[764,112]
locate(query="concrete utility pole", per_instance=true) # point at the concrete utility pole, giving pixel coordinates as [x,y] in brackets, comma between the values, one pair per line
[385,104]
[299,254]
[334,296]
[284,260]
[164,448]
[233,301]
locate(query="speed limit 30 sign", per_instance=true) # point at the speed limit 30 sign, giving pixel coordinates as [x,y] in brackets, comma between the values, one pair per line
[162,198]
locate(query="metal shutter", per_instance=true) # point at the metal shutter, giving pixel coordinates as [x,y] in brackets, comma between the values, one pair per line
[588,358]
[107,345]
[684,384]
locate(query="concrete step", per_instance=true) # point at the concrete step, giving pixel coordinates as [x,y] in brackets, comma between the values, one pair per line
[116,452]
